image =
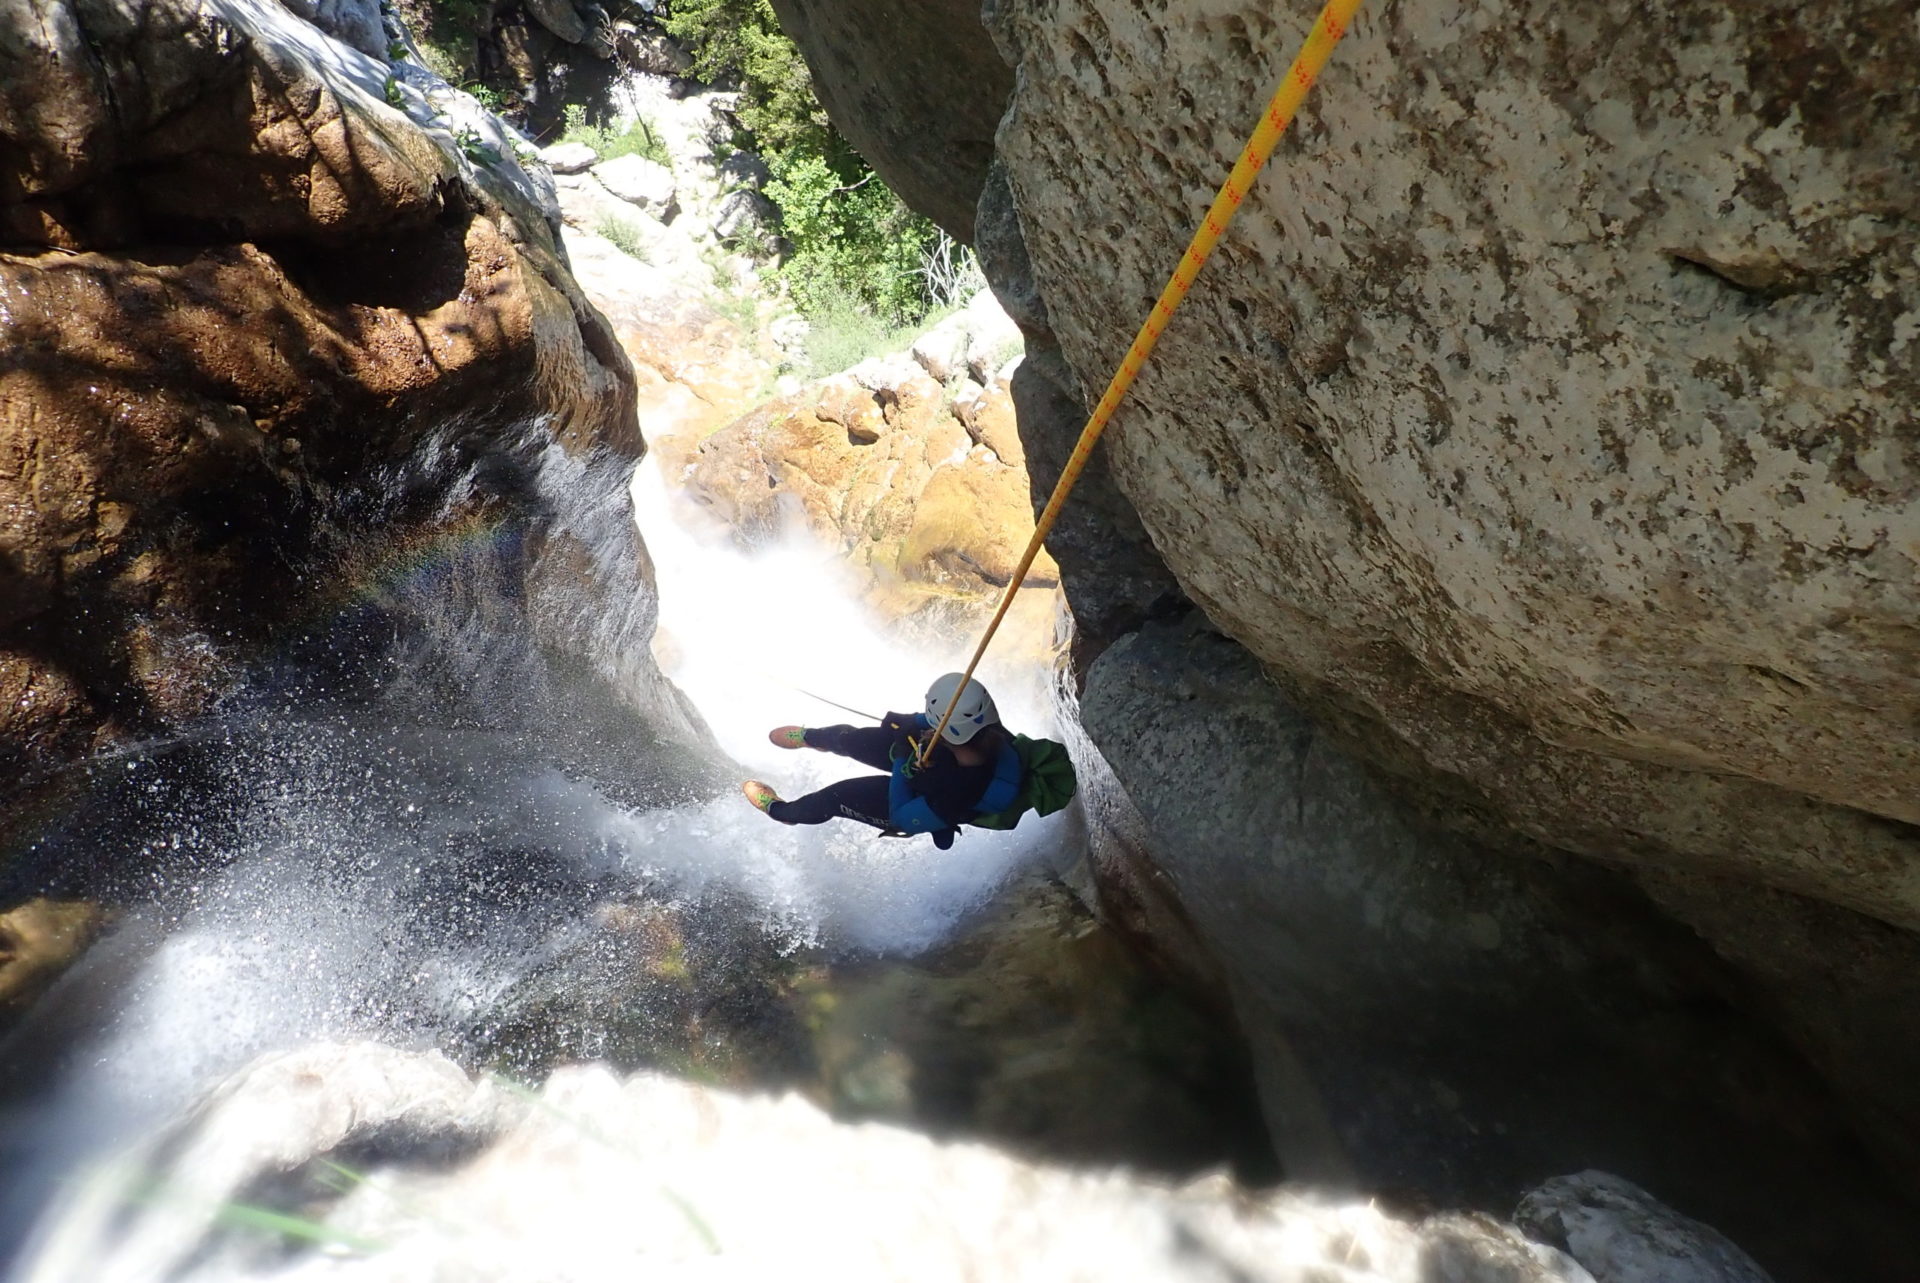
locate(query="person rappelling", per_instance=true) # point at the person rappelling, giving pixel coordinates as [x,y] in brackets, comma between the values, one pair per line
[975,772]
[936,783]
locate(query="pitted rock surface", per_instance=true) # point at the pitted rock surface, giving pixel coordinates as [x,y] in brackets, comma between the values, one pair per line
[1547,418]
[889,467]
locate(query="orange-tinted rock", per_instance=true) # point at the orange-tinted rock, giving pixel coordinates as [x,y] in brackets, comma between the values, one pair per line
[38,940]
[879,463]
[231,299]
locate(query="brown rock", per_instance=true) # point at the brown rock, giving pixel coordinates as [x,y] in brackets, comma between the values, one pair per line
[970,527]
[878,463]
[281,285]
[39,940]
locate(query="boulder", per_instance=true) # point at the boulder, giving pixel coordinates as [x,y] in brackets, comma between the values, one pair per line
[1554,452]
[744,169]
[355,23]
[568,158]
[1622,1234]
[1659,617]
[974,342]
[942,351]
[744,212]
[1431,1012]
[562,17]
[641,182]
[196,383]
[651,53]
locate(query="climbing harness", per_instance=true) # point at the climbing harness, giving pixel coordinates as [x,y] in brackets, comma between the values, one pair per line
[1333,23]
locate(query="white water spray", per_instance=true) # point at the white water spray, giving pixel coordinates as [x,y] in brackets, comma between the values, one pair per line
[392,869]
[766,638]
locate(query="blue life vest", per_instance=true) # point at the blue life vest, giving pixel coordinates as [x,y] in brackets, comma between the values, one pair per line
[908,812]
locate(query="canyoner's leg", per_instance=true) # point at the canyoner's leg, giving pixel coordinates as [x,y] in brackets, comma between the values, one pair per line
[863,798]
[867,745]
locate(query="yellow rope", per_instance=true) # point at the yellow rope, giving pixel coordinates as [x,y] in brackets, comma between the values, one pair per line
[1292,91]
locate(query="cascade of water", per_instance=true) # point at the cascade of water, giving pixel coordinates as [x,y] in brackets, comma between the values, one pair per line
[404,843]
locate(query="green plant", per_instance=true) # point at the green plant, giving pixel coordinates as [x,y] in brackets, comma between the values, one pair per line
[625,237]
[485,95]
[853,242]
[390,90]
[842,333]
[449,38]
[474,147]
[741,40]
[636,140]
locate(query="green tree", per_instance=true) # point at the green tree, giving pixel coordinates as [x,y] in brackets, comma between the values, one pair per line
[854,242]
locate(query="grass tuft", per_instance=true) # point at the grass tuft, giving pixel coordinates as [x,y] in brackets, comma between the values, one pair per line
[637,140]
[624,235]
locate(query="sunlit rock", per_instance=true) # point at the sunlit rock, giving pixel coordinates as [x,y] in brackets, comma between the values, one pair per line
[641,182]
[352,22]
[270,271]
[882,463]
[568,158]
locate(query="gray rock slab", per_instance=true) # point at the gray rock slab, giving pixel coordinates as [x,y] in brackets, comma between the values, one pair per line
[569,158]
[1622,1234]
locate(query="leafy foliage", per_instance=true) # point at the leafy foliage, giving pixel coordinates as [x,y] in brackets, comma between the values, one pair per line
[850,238]
[623,235]
[856,248]
[741,40]
[636,140]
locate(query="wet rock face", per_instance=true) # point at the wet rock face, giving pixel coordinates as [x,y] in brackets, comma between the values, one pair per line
[1620,1233]
[240,285]
[1546,420]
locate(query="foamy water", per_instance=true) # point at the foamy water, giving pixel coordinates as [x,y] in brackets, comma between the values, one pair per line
[391,868]
[773,637]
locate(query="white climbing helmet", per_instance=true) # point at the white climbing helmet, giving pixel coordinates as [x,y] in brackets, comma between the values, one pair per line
[974,710]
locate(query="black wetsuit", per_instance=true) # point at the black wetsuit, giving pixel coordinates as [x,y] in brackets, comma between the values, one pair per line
[950,788]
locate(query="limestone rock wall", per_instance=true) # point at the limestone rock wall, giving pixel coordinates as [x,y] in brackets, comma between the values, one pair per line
[1564,450]
[241,283]
[1429,1013]
[1544,429]
[1545,426]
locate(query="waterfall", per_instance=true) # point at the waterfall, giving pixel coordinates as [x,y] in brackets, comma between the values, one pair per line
[418,819]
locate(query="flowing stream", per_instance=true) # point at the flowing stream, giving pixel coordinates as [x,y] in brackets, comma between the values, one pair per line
[418,823]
